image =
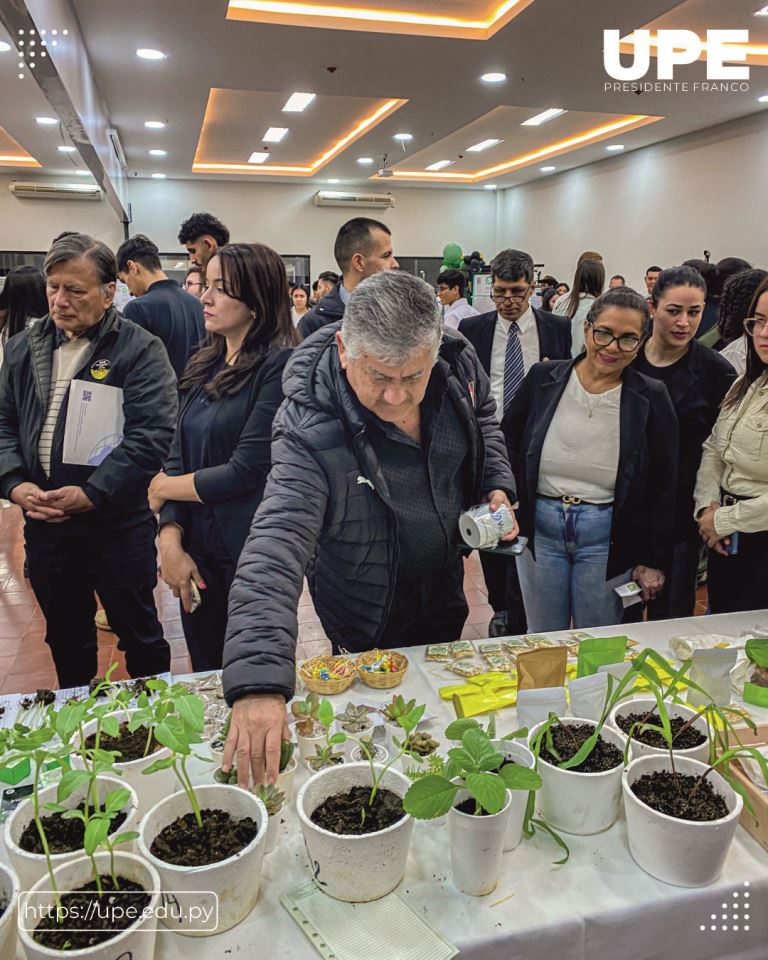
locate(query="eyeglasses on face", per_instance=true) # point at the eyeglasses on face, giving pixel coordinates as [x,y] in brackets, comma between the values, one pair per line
[517,296]
[627,342]
[756,326]
[189,284]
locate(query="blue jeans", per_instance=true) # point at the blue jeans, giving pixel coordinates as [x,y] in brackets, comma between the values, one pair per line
[566,582]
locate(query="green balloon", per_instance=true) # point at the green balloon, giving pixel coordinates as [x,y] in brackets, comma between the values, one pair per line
[452,255]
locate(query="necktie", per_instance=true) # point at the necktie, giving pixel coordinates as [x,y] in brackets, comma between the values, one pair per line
[514,369]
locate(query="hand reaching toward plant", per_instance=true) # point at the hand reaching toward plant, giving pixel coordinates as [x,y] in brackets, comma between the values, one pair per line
[259,726]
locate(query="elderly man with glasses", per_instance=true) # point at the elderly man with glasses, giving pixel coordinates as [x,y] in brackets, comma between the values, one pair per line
[508,341]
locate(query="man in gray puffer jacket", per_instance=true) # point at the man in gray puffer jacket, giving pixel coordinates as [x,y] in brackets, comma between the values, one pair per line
[387,434]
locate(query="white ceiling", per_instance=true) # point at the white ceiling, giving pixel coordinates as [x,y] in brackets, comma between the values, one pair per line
[551,53]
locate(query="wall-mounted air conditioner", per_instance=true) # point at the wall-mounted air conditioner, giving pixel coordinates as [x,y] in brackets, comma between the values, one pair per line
[335,198]
[55,191]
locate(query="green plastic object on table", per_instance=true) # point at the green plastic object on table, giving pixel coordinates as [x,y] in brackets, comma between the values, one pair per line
[595,652]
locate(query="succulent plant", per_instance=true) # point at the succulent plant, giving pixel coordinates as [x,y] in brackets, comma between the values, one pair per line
[305,712]
[286,752]
[228,778]
[272,798]
[421,743]
[398,708]
[355,718]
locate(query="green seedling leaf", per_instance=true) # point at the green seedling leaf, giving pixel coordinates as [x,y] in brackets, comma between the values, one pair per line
[410,720]
[520,778]
[457,729]
[70,781]
[55,807]
[541,825]
[480,749]
[520,734]
[110,726]
[462,758]
[488,789]
[192,712]
[96,832]
[429,797]
[325,713]
[116,800]
[121,838]
[73,814]
[171,735]
[162,764]
[337,738]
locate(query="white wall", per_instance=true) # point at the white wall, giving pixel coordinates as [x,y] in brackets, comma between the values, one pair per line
[659,205]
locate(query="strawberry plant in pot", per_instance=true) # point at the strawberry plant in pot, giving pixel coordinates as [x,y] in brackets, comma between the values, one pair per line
[352,816]
[475,789]
[207,842]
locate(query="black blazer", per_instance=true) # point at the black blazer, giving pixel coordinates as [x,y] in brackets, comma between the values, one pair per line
[554,335]
[240,446]
[644,500]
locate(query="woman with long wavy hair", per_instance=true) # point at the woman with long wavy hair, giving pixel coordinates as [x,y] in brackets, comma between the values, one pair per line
[220,457]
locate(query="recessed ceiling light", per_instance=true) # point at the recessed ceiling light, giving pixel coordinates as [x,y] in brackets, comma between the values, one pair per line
[83,173]
[158,153]
[615,147]
[365,161]
[258,156]
[66,149]
[483,145]
[154,124]
[762,12]
[543,117]
[493,77]
[147,53]
[158,176]
[489,186]
[274,134]
[46,121]
[298,102]
[403,136]
[763,99]
[548,169]
[333,180]
[4,47]
[439,164]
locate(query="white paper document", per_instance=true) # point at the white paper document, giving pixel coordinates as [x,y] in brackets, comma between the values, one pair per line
[95,422]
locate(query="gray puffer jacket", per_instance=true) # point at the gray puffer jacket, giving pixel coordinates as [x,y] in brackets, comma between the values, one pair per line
[326,505]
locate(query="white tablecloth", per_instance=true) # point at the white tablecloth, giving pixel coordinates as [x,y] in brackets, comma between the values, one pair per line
[598,906]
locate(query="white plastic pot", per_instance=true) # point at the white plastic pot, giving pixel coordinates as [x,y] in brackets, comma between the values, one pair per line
[9,894]
[685,853]
[349,745]
[580,803]
[380,755]
[137,942]
[231,885]
[307,745]
[30,867]
[476,847]
[273,832]
[392,731]
[354,868]
[521,755]
[286,779]
[647,705]
[150,788]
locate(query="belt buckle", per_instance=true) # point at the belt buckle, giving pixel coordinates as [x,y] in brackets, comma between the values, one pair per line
[571,501]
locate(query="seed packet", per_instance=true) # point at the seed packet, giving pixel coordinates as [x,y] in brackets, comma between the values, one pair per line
[756,687]
[499,661]
[491,646]
[541,668]
[515,645]
[534,706]
[467,668]
[461,649]
[588,696]
[537,640]
[578,635]
[616,670]
[711,670]
[595,651]
[439,651]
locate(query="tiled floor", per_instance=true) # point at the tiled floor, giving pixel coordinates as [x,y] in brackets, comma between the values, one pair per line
[25,663]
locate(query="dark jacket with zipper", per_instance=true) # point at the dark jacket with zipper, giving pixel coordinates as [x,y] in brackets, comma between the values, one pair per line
[327,499]
[138,364]
[239,445]
[642,527]
[329,310]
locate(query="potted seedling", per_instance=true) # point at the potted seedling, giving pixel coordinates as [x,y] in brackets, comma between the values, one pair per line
[206,842]
[356,722]
[325,753]
[9,899]
[396,708]
[417,747]
[367,750]
[273,799]
[309,731]
[475,790]
[352,816]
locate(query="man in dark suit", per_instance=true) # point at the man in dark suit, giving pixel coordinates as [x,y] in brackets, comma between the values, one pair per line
[508,341]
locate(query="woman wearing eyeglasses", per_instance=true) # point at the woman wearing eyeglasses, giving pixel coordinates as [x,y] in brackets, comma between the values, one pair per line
[731,497]
[593,444]
[697,378]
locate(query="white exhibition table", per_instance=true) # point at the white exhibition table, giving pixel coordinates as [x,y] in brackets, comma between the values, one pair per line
[598,906]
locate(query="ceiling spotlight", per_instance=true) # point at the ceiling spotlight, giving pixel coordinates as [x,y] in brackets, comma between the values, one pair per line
[158,153]
[483,145]
[439,164]
[543,117]
[146,53]
[258,156]
[65,32]
[489,186]
[46,121]
[158,176]
[493,77]
[403,136]
[365,161]
[548,169]
[65,149]
[613,147]
[762,12]
[4,47]
[154,124]
[298,102]
[274,134]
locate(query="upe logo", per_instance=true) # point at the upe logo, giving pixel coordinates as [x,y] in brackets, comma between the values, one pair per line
[677,48]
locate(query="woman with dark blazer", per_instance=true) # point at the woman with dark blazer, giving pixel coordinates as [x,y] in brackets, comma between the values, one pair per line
[220,457]
[593,446]
[697,379]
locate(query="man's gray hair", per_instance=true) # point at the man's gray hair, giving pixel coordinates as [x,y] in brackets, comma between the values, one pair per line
[390,316]
[72,246]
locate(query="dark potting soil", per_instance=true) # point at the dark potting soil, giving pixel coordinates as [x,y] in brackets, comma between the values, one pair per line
[343,812]
[63,836]
[187,845]
[130,746]
[469,806]
[678,796]
[91,919]
[690,737]
[568,739]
